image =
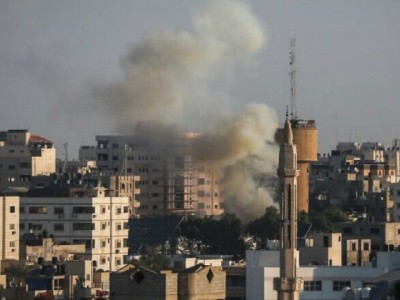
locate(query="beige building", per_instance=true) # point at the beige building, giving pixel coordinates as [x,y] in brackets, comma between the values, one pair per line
[9,227]
[199,282]
[383,235]
[23,156]
[171,180]
[98,221]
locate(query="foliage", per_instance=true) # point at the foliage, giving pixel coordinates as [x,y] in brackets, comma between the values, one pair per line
[18,272]
[154,260]
[325,220]
[265,227]
[221,236]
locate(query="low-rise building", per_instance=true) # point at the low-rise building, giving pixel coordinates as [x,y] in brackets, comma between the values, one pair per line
[199,282]
[319,282]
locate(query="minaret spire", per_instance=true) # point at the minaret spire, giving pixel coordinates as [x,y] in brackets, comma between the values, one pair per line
[288,284]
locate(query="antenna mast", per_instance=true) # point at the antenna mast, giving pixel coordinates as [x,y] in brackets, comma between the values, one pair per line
[292,60]
[64,167]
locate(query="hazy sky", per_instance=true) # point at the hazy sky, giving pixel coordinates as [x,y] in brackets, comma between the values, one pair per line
[52,53]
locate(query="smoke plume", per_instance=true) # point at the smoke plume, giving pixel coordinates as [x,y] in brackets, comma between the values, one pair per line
[172,77]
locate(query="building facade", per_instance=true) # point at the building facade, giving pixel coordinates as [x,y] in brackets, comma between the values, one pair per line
[98,221]
[171,180]
[9,227]
[24,156]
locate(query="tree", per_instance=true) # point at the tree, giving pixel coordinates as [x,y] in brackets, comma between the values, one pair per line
[17,272]
[221,236]
[267,226]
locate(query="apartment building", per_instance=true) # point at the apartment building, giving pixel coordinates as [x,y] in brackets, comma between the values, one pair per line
[98,221]
[171,180]
[24,156]
[9,227]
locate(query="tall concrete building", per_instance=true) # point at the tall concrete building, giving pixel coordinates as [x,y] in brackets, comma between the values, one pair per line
[84,216]
[9,227]
[171,180]
[288,284]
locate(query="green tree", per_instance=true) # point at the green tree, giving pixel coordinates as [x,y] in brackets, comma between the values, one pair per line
[221,236]
[154,260]
[17,272]
[265,227]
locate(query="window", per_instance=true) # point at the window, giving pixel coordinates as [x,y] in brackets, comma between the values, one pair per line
[12,244]
[366,246]
[200,205]
[102,209]
[103,260]
[12,226]
[38,210]
[12,209]
[312,285]
[11,167]
[24,165]
[126,225]
[117,261]
[35,226]
[103,244]
[83,210]
[200,193]
[126,209]
[118,226]
[339,285]
[58,210]
[59,227]
[118,211]
[118,244]
[103,225]
[353,246]
[82,226]
[200,181]
[326,241]
[125,243]
[22,209]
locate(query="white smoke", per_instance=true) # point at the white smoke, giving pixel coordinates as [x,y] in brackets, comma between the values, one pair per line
[171,78]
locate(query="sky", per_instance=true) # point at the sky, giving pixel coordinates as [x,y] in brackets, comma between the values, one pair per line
[60,59]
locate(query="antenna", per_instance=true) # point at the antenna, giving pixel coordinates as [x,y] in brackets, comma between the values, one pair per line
[292,60]
[64,167]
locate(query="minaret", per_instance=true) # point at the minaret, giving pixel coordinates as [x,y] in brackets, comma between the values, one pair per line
[288,284]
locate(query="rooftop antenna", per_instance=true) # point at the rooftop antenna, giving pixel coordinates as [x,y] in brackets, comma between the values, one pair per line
[292,73]
[64,167]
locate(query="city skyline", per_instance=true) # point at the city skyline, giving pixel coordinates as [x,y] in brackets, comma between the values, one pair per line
[52,55]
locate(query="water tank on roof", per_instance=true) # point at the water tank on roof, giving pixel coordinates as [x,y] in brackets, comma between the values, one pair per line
[347,294]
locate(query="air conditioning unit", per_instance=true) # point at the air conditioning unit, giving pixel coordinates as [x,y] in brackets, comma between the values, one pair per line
[117,251]
[94,216]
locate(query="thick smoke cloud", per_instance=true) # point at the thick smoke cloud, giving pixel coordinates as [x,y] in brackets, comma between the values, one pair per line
[171,79]
[243,147]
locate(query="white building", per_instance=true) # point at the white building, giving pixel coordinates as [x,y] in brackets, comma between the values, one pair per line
[319,282]
[99,222]
[9,227]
